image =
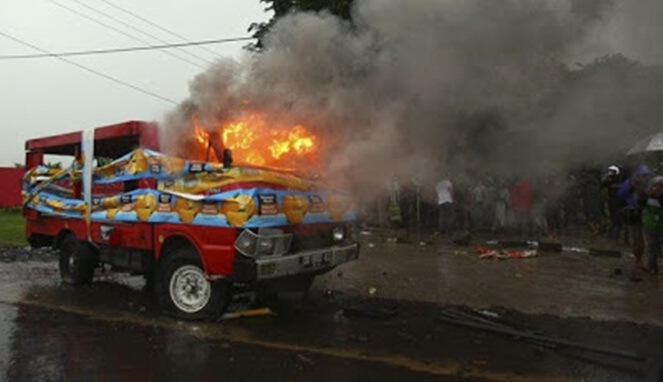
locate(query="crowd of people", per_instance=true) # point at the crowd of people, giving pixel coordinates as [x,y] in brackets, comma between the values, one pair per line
[613,202]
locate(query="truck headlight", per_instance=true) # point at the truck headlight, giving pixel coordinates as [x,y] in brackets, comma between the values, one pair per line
[246,243]
[265,246]
[266,242]
[338,233]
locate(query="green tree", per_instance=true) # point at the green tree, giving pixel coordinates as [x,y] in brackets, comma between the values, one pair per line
[282,8]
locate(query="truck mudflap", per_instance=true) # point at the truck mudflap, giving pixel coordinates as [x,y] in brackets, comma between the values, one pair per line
[311,261]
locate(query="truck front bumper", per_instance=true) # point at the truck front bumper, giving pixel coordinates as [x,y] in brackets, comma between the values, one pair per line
[311,261]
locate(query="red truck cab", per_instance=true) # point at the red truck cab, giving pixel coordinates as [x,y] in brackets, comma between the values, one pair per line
[193,263]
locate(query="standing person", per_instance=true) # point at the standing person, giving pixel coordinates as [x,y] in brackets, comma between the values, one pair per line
[394,207]
[554,192]
[461,202]
[490,200]
[445,203]
[571,202]
[478,209]
[652,222]
[632,193]
[592,199]
[611,183]
[538,215]
[521,203]
[501,205]
[408,204]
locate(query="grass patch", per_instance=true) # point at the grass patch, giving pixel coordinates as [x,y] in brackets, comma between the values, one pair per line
[12,228]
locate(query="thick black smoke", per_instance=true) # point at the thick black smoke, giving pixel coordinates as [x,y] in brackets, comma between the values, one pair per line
[462,88]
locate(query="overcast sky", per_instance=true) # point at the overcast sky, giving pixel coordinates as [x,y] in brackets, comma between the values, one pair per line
[46,96]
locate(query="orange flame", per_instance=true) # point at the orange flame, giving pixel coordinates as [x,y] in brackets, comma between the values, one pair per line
[254,142]
[201,135]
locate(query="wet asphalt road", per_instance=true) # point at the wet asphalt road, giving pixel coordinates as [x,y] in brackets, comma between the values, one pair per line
[111,331]
[46,345]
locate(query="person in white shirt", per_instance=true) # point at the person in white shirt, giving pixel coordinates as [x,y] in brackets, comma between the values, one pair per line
[445,203]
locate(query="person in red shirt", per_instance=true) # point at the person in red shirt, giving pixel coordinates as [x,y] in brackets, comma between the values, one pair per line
[521,203]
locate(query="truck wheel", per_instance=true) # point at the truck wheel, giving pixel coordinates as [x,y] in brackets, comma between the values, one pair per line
[77,261]
[183,291]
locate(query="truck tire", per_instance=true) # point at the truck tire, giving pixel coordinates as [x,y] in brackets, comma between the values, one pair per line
[77,261]
[182,290]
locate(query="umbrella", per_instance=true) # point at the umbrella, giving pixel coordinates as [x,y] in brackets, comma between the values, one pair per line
[648,145]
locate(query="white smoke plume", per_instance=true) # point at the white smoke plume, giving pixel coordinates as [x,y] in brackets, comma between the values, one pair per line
[431,87]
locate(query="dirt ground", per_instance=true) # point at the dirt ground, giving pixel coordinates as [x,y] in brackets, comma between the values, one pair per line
[379,317]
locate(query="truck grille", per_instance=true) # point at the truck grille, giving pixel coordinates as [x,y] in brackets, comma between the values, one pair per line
[302,241]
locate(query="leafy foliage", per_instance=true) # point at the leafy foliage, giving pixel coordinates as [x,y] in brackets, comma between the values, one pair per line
[341,8]
[12,228]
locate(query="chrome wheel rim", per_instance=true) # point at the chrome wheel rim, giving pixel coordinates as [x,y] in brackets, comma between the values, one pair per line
[189,290]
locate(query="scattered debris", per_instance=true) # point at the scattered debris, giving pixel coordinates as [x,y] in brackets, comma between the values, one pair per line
[523,254]
[371,245]
[247,313]
[575,249]
[488,313]
[365,233]
[504,254]
[304,358]
[372,290]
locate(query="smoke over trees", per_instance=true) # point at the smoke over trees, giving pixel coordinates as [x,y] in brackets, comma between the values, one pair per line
[340,8]
[467,88]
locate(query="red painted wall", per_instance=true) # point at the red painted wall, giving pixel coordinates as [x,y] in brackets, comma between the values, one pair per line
[10,186]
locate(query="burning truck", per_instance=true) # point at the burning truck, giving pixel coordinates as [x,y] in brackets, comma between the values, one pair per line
[197,226]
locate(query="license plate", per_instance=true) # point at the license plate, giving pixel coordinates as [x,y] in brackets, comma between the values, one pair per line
[317,260]
[267,268]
